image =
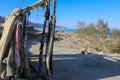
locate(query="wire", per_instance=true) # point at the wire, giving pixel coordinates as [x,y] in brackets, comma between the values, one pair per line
[21,3]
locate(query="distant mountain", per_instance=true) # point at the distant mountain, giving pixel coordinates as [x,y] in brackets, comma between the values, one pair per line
[2,19]
[38,25]
[35,25]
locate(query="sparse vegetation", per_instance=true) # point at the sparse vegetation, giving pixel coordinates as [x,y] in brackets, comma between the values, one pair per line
[100,37]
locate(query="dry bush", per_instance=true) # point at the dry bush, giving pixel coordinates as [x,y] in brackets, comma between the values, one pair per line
[113,46]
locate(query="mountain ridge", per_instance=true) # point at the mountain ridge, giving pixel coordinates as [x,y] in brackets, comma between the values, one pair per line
[35,25]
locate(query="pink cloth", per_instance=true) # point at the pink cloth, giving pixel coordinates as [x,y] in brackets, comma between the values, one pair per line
[17,38]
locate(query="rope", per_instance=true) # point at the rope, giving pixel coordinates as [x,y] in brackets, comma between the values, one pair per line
[50,41]
[26,27]
[46,18]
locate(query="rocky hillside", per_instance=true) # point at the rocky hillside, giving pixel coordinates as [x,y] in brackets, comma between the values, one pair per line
[73,40]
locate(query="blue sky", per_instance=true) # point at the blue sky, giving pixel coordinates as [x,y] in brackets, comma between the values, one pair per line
[69,12]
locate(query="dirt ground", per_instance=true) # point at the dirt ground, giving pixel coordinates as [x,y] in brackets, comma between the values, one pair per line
[70,64]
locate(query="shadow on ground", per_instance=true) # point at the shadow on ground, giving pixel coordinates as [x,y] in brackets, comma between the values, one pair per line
[82,67]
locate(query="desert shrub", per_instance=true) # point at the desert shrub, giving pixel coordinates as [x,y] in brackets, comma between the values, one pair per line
[113,46]
[115,33]
[103,29]
[100,36]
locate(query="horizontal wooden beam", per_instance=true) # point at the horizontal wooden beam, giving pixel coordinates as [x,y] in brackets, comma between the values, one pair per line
[40,3]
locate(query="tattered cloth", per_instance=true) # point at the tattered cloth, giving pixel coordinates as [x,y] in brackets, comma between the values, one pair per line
[7,33]
[9,28]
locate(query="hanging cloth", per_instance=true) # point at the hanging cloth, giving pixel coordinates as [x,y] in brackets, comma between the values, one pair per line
[18,44]
[18,38]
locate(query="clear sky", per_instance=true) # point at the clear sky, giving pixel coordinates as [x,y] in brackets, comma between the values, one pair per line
[69,12]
